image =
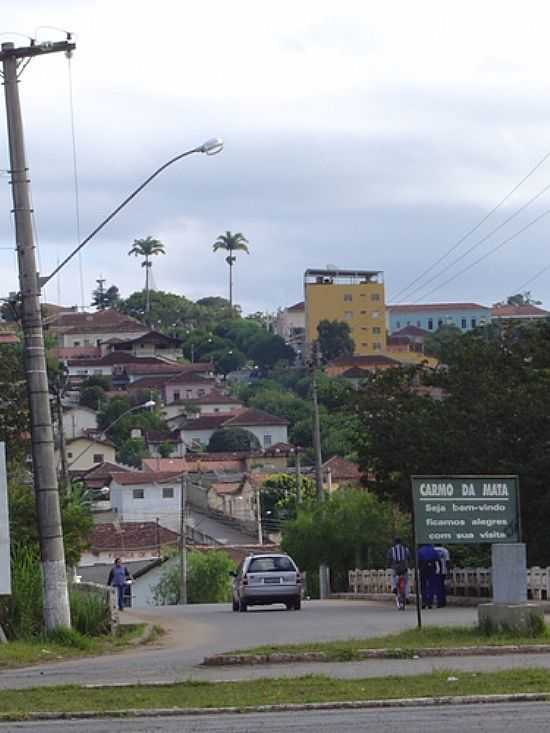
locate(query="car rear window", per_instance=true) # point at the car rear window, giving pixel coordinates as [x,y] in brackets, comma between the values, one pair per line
[270,565]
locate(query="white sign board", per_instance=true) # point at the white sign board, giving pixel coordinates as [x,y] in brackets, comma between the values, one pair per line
[5,555]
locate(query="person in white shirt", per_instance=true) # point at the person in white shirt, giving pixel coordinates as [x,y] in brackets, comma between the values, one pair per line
[399,560]
[444,558]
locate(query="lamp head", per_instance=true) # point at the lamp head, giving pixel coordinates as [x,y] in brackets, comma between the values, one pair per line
[212,146]
[149,404]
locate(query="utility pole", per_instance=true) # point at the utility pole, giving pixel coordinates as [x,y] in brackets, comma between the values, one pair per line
[52,553]
[259,517]
[183,540]
[323,570]
[298,476]
[65,477]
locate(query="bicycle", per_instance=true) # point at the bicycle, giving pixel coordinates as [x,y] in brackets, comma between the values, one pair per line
[401,592]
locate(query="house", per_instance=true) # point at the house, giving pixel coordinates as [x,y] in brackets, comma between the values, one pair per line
[83,453]
[154,439]
[212,403]
[339,472]
[140,497]
[290,324]
[132,541]
[151,343]
[502,312]
[77,420]
[121,367]
[235,496]
[74,329]
[431,316]
[175,382]
[355,297]
[268,429]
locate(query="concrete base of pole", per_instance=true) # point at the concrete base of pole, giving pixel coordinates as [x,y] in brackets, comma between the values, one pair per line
[324,581]
[56,596]
[518,618]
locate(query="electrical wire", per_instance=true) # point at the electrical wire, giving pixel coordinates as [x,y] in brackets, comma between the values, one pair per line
[472,230]
[532,279]
[75,181]
[474,246]
[489,253]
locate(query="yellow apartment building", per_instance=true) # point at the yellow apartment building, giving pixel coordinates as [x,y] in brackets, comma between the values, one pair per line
[353,296]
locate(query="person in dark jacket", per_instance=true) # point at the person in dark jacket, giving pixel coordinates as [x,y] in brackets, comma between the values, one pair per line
[427,559]
[117,578]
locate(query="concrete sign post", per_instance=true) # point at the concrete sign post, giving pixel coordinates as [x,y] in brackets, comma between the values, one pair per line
[466,509]
[5,555]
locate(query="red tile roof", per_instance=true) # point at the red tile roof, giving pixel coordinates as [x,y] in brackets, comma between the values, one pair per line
[518,311]
[115,358]
[341,469]
[136,478]
[254,417]
[106,469]
[297,307]
[410,308]
[130,536]
[364,361]
[214,397]
[206,422]
[151,337]
[97,322]
[411,331]
[355,373]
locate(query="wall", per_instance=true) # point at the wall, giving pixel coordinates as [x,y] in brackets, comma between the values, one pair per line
[186,390]
[152,506]
[92,339]
[80,454]
[279,434]
[142,594]
[364,314]
[77,420]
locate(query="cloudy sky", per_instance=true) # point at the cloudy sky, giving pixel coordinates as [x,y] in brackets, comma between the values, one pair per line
[358,134]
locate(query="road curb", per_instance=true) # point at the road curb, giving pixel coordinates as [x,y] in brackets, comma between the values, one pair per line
[415,702]
[228,660]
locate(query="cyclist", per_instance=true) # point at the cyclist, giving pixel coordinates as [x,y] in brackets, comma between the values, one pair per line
[399,560]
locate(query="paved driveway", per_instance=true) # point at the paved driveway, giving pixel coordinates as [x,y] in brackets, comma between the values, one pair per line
[199,630]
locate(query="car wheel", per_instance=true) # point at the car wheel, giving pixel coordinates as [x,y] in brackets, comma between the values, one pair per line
[235,605]
[297,604]
[289,605]
[242,606]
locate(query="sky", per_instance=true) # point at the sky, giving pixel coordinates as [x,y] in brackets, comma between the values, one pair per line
[360,135]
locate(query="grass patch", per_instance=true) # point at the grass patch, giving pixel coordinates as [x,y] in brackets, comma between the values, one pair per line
[408,641]
[243,694]
[67,644]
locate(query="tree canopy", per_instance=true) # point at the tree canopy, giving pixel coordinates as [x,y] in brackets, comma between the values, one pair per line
[334,339]
[232,439]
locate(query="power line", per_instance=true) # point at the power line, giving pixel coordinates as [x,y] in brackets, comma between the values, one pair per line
[489,253]
[532,279]
[481,241]
[75,181]
[474,229]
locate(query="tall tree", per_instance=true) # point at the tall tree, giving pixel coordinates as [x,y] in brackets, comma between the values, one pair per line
[231,243]
[105,298]
[334,340]
[147,248]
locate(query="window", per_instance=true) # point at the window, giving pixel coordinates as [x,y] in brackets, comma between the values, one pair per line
[377,346]
[464,323]
[375,296]
[98,457]
[275,564]
[188,393]
[363,313]
[348,297]
[76,343]
[201,393]
[439,322]
[364,343]
[69,455]
[82,372]
[348,315]
[137,494]
[473,322]
[177,395]
[375,314]
[267,441]
[376,330]
[398,324]
[419,324]
[430,325]
[167,492]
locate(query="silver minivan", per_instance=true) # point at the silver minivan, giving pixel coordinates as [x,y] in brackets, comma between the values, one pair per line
[261,580]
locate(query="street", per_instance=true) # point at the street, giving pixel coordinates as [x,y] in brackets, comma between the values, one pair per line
[500,718]
[198,630]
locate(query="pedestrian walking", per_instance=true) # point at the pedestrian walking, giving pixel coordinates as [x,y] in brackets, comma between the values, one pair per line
[427,559]
[118,578]
[441,573]
[399,560]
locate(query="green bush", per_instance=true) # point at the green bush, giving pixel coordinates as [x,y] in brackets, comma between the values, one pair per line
[69,637]
[208,579]
[21,612]
[90,614]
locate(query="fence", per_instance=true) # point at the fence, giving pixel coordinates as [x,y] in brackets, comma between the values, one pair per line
[460,582]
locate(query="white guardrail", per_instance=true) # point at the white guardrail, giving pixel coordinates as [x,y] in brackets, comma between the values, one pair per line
[460,582]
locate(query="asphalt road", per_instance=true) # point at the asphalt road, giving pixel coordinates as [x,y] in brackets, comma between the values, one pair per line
[199,630]
[500,718]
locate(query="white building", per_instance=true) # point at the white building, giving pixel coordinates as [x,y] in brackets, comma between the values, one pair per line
[142,498]
[267,428]
[290,324]
[77,420]
[84,453]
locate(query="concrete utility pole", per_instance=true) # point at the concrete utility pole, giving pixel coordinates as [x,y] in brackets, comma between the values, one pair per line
[183,540]
[298,476]
[323,569]
[54,576]
[259,517]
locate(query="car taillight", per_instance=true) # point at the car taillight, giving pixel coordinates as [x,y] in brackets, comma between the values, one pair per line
[245,579]
[298,578]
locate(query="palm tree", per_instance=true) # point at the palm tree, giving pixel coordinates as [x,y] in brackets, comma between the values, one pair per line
[231,243]
[147,248]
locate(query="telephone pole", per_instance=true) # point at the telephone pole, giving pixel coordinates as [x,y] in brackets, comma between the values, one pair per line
[54,575]
[183,540]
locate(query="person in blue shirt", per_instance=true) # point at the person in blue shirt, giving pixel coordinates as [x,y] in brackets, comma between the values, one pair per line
[427,559]
[117,578]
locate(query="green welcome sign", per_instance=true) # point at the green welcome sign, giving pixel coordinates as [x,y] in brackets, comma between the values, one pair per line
[466,509]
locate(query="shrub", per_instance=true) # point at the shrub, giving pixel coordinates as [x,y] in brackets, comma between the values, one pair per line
[208,579]
[69,637]
[90,614]
[21,612]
